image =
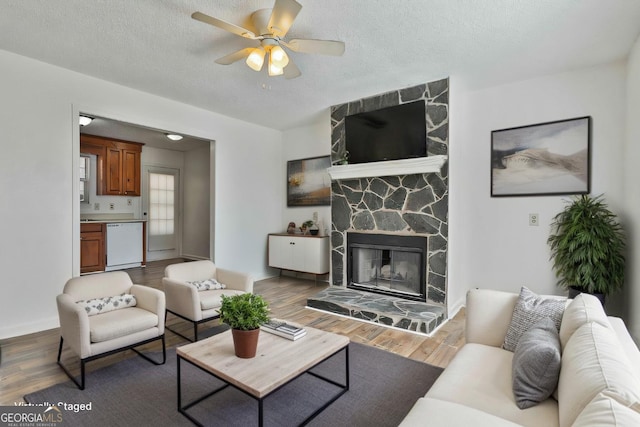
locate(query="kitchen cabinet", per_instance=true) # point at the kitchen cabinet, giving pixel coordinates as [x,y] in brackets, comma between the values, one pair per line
[307,254]
[118,161]
[92,244]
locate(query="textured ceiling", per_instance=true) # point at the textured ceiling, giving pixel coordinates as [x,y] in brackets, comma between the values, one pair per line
[155,46]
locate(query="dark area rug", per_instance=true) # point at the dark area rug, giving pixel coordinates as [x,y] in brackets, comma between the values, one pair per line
[383,388]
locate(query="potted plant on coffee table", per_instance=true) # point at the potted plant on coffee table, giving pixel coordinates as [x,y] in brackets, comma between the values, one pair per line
[587,244]
[244,313]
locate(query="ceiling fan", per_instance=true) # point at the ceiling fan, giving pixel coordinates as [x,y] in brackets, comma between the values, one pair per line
[271,25]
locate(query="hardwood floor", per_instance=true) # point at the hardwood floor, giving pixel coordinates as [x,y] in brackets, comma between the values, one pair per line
[28,363]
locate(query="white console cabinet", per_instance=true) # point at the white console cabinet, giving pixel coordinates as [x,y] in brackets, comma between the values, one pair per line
[307,254]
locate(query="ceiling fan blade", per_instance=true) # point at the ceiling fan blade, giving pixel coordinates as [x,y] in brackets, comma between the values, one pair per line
[291,71]
[324,47]
[282,16]
[227,26]
[235,56]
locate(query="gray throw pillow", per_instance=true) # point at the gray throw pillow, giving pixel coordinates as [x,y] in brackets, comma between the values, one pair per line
[536,364]
[531,308]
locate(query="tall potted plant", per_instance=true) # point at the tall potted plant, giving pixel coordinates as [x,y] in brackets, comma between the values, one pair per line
[244,313]
[587,244]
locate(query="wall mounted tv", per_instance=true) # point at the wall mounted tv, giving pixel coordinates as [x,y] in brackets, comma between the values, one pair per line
[392,133]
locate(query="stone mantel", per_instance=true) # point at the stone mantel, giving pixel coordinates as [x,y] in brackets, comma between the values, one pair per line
[420,165]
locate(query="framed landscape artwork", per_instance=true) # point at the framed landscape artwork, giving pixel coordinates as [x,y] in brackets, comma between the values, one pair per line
[544,159]
[308,183]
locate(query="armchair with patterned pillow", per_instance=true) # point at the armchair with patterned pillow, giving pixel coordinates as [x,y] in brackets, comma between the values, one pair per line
[194,289]
[101,314]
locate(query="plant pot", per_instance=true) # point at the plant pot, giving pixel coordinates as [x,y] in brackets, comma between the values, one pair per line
[574,292]
[245,343]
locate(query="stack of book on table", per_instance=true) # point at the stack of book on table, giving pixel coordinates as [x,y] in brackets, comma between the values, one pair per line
[283,329]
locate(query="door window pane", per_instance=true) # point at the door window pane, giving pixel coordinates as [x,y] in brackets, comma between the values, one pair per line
[161,204]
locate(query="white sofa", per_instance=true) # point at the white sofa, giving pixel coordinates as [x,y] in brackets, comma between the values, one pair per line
[598,384]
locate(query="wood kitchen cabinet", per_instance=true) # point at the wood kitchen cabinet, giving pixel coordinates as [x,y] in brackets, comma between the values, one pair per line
[92,244]
[307,254]
[118,164]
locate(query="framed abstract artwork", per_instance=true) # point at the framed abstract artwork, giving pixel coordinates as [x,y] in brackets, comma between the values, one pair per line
[544,159]
[308,183]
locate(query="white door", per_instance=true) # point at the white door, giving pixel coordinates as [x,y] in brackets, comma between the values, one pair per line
[161,207]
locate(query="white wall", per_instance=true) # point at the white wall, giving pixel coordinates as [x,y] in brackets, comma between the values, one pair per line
[629,300]
[491,243]
[39,248]
[196,212]
[301,143]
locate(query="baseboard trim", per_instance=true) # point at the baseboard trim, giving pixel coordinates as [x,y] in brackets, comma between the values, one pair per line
[29,328]
[193,257]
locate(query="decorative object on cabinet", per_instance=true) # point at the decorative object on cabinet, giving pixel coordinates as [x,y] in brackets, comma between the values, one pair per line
[542,159]
[308,183]
[118,164]
[313,229]
[306,226]
[291,228]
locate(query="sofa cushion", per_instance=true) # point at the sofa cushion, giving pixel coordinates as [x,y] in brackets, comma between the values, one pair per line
[103,305]
[536,364]
[213,299]
[592,362]
[604,410]
[436,413]
[479,376]
[582,309]
[116,324]
[626,342]
[207,284]
[531,308]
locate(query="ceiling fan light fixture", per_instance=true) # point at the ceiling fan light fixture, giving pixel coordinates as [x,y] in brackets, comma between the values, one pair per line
[255,60]
[85,120]
[279,57]
[274,70]
[174,136]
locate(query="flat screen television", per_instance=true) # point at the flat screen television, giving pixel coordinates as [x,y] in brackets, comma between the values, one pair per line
[392,133]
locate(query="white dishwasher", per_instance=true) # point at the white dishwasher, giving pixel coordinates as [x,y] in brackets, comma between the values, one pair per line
[124,245]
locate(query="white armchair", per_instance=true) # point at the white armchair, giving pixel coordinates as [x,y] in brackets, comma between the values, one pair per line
[186,302]
[109,328]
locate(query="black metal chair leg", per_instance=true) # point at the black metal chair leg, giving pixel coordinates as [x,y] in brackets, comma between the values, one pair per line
[164,354]
[195,327]
[80,384]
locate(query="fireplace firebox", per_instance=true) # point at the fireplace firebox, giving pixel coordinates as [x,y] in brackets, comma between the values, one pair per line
[387,264]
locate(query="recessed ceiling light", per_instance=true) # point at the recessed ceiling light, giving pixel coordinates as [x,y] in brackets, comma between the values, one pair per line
[85,120]
[174,137]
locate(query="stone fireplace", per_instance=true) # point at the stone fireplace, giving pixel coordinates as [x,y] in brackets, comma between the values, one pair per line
[412,205]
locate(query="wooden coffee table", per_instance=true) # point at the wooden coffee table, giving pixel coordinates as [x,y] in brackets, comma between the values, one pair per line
[278,361]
